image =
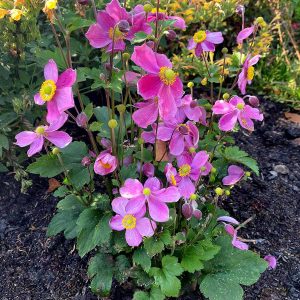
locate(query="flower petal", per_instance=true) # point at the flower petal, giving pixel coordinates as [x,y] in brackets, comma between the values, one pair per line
[136,204]
[25,138]
[228,121]
[222,107]
[149,86]
[214,37]
[119,205]
[186,187]
[59,138]
[97,37]
[145,227]
[64,99]
[38,100]
[132,188]
[153,184]
[36,146]
[146,115]
[176,144]
[115,223]
[51,71]
[158,211]
[133,237]
[170,194]
[228,220]
[66,79]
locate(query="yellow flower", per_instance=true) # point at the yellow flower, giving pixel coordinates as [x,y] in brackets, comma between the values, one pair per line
[19,2]
[3,13]
[51,4]
[16,14]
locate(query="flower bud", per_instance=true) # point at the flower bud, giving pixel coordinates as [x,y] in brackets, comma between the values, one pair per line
[51,4]
[260,20]
[112,123]
[124,26]
[148,8]
[224,50]
[213,170]
[240,9]
[83,2]
[86,161]
[187,210]
[227,193]
[55,151]
[126,56]
[204,81]
[197,214]
[219,191]
[248,174]
[141,141]
[121,108]
[254,101]
[150,44]
[171,35]
[226,96]
[190,84]
[193,197]
[81,120]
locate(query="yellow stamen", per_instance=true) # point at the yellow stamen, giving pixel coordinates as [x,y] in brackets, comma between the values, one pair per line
[167,75]
[117,35]
[173,180]
[250,73]
[240,106]
[199,36]
[104,165]
[47,90]
[40,130]
[146,191]
[185,170]
[129,222]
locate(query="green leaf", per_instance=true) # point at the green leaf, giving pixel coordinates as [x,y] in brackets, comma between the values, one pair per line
[65,219]
[89,110]
[153,246]
[195,255]
[102,115]
[79,176]
[141,258]
[122,268]
[166,277]
[166,238]
[139,37]
[62,191]
[228,270]
[128,172]
[4,142]
[94,230]
[234,154]
[95,126]
[3,168]
[100,270]
[46,166]
[154,294]
[73,154]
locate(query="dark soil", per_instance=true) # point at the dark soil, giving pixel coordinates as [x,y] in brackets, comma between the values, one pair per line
[36,268]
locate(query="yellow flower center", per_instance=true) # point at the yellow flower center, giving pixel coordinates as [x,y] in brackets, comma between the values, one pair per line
[184,170]
[47,90]
[104,165]
[240,106]
[40,130]
[117,35]
[203,168]
[173,180]
[199,36]
[129,222]
[250,73]
[167,75]
[146,191]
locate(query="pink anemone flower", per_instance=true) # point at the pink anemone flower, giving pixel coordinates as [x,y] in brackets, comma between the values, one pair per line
[235,174]
[152,193]
[136,225]
[105,163]
[205,41]
[233,232]
[243,34]
[190,109]
[161,81]
[247,74]
[179,134]
[108,32]
[56,90]
[37,138]
[236,110]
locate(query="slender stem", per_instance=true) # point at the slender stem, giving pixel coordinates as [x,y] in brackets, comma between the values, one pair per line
[58,43]
[94,9]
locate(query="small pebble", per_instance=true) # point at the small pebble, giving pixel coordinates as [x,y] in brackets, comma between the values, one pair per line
[281,169]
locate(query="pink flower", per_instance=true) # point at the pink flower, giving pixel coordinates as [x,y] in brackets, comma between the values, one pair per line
[205,41]
[148,169]
[105,163]
[161,81]
[37,138]
[153,194]
[271,260]
[56,90]
[82,120]
[233,232]
[236,110]
[131,78]
[179,134]
[235,173]
[146,114]
[190,109]
[247,73]
[109,30]
[136,225]
[243,34]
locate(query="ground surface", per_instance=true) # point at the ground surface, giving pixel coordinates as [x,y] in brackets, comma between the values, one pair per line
[36,268]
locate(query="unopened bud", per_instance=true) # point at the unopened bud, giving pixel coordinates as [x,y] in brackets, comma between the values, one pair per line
[260,20]
[187,210]
[171,35]
[121,108]
[254,101]
[126,56]
[112,123]
[124,26]
[197,214]
[227,193]
[81,120]
[148,8]
[204,81]
[150,44]
[213,170]
[226,96]
[141,141]
[55,151]
[83,2]
[248,174]
[86,161]
[224,50]
[190,84]
[219,191]
[240,9]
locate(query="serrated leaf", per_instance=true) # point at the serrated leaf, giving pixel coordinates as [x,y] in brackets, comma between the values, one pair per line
[46,166]
[228,270]
[122,268]
[70,202]
[100,270]
[62,191]
[140,257]
[4,142]
[102,230]
[234,154]
[166,237]
[195,255]
[128,172]
[153,246]
[154,294]
[166,277]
